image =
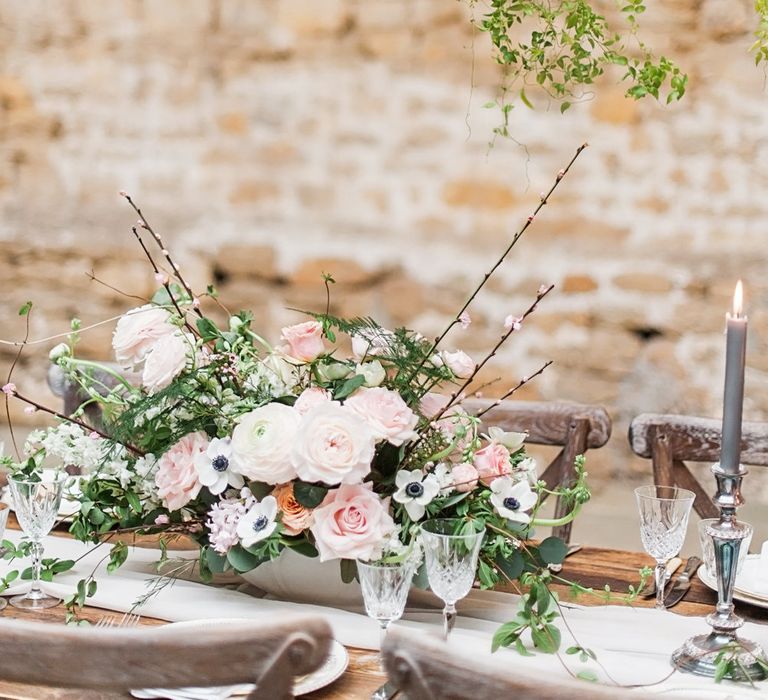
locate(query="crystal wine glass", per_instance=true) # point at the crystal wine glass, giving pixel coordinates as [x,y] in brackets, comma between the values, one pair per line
[36,502]
[385,589]
[664,512]
[450,552]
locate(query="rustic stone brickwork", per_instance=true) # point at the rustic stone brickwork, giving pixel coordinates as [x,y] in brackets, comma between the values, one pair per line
[272,140]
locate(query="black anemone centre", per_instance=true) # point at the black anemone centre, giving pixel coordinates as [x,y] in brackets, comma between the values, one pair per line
[220,463]
[260,523]
[414,489]
[511,503]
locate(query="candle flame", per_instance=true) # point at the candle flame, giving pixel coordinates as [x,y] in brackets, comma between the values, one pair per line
[738,300]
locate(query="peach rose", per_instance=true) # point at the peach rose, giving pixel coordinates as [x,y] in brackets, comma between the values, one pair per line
[311,397]
[166,359]
[296,517]
[305,340]
[386,413]
[137,331]
[464,477]
[492,461]
[352,522]
[176,476]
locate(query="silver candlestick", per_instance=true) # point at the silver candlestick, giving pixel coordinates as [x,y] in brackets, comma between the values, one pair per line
[699,654]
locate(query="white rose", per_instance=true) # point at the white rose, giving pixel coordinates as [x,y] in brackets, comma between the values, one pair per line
[372,371]
[166,359]
[334,445]
[331,371]
[262,441]
[459,363]
[371,342]
[388,416]
[137,331]
[279,371]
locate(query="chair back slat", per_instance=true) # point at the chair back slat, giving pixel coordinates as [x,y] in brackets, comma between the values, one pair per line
[269,652]
[426,668]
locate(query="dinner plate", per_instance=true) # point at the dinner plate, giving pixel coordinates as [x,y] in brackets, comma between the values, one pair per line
[746,588]
[333,667]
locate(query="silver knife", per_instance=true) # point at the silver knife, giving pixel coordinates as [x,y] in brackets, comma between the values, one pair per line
[682,584]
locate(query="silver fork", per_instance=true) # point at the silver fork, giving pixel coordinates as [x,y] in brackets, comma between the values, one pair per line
[129,620]
[106,621]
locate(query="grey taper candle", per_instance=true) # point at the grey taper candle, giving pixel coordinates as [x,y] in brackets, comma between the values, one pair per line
[733,397]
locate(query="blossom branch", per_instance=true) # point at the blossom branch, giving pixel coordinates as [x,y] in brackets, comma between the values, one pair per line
[10,390]
[543,200]
[26,310]
[93,278]
[514,389]
[176,273]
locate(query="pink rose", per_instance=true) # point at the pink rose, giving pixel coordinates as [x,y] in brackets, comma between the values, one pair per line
[333,445]
[459,363]
[431,404]
[305,340]
[386,413]
[310,398]
[176,476]
[464,477]
[137,331]
[165,360]
[352,522]
[492,461]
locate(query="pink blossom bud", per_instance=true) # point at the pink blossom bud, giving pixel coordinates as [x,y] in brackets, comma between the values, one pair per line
[543,289]
[123,193]
[162,519]
[9,389]
[29,410]
[161,278]
[94,435]
[195,303]
[512,323]
[530,219]
[561,174]
[465,319]
[542,196]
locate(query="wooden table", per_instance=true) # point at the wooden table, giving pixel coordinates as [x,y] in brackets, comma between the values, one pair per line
[591,567]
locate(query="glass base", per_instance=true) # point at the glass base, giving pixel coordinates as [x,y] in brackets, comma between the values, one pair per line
[31,601]
[699,654]
[3,603]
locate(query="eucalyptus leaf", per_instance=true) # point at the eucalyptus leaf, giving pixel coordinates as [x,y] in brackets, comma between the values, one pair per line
[553,550]
[349,386]
[309,495]
[348,570]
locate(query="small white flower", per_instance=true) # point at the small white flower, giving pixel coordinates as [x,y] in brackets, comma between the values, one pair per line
[528,470]
[464,320]
[215,467]
[372,371]
[512,500]
[442,472]
[512,441]
[415,491]
[258,523]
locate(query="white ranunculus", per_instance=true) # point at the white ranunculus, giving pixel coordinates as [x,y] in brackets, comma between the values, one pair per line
[334,445]
[372,371]
[258,523]
[512,441]
[166,359]
[262,442]
[513,499]
[137,332]
[459,363]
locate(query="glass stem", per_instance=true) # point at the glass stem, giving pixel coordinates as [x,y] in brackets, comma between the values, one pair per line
[661,580]
[37,557]
[383,627]
[449,617]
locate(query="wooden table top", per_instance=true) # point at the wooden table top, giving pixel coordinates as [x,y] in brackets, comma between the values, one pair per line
[592,567]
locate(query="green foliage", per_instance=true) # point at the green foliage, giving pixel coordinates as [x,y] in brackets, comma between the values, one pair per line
[309,495]
[760,47]
[728,663]
[562,48]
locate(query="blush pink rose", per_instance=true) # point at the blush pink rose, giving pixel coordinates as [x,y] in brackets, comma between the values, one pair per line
[492,461]
[176,476]
[388,416]
[166,359]
[310,398]
[464,477]
[352,522]
[459,363]
[431,404]
[305,340]
[137,331]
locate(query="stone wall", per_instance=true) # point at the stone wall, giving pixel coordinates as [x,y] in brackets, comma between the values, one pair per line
[271,140]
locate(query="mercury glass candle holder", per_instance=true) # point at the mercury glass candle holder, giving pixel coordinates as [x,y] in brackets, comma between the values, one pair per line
[699,654]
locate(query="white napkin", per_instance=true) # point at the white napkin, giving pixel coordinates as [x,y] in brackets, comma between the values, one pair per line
[633,644]
[762,570]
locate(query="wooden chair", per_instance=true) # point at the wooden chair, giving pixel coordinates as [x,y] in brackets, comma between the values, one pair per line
[669,441]
[426,668]
[574,427]
[269,652]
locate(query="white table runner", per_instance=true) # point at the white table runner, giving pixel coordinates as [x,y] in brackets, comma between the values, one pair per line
[633,644]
